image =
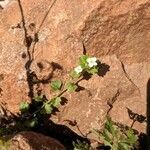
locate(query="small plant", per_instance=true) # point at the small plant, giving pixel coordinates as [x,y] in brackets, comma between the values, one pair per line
[78,145]
[24,106]
[117,139]
[86,66]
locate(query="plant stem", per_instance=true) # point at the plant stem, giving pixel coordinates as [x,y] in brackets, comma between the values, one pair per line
[60,94]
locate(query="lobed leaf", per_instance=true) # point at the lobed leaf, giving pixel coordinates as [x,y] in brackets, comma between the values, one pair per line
[47,109]
[74,75]
[55,102]
[93,70]
[83,61]
[56,85]
[38,98]
[110,126]
[71,87]
[24,107]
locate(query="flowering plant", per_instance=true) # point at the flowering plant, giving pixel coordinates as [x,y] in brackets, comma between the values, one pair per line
[86,64]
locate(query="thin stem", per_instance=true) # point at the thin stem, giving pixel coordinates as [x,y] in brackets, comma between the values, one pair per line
[49,9]
[60,94]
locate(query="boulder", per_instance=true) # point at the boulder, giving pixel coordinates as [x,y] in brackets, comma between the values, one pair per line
[28,140]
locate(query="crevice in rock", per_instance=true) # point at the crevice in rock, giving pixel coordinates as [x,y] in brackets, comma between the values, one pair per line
[128,77]
[111,102]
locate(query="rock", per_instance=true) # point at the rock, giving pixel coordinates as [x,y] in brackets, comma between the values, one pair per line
[4,3]
[117,32]
[123,90]
[139,74]
[28,140]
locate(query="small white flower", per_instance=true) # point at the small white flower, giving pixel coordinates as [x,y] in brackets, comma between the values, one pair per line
[78,69]
[92,61]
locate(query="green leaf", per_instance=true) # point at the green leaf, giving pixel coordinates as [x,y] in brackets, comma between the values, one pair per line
[131,138]
[110,126]
[93,71]
[47,109]
[74,75]
[117,139]
[56,85]
[106,143]
[123,146]
[55,102]
[78,145]
[83,61]
[71,87]
[114,146]
[31,123]
[24,107]
[106,137]
[38,98]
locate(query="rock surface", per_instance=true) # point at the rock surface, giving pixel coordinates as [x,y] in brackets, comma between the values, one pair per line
[115,31]
[34,141]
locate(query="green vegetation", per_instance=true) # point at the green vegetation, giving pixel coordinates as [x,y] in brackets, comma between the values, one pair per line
[86,65]
[78,145]
[116,138]
[112,135]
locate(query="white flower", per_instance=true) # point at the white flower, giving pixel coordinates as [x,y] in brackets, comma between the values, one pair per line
[92,61]
[78,69]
